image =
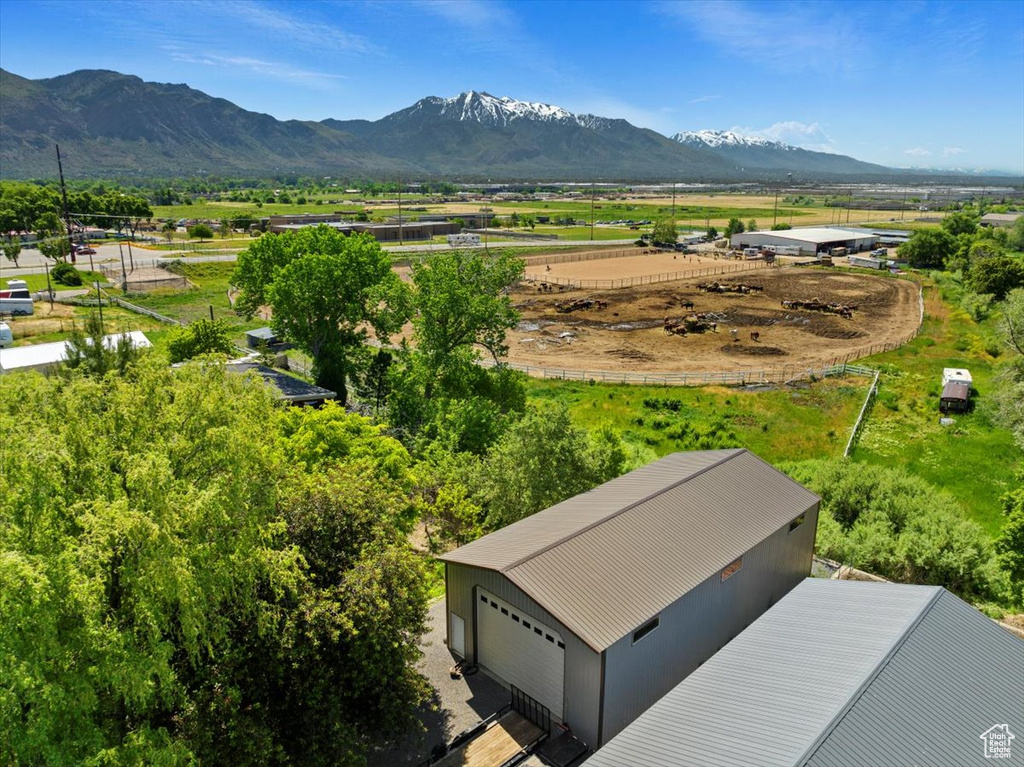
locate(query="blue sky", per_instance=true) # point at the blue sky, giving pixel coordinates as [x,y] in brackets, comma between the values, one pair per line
[923,84]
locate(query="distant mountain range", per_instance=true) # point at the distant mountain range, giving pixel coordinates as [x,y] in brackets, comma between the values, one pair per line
[114,125]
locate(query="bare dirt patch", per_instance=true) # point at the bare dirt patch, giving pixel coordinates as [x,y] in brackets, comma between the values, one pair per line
[628,334]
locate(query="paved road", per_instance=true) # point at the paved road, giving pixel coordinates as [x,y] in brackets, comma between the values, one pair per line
[33,262]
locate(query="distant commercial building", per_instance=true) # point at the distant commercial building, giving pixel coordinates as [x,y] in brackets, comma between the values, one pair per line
[412,230]
[843,673]
[598,606]
[810,241]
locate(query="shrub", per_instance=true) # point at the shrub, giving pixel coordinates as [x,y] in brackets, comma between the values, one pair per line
[66,274]
[201,337]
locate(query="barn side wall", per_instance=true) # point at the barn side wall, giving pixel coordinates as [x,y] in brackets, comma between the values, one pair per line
[582,665]
[701,622]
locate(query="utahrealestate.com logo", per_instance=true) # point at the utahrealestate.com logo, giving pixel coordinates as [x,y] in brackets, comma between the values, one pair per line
[997,741]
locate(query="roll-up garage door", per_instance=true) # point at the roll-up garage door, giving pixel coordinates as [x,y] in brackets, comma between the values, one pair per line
[520,650]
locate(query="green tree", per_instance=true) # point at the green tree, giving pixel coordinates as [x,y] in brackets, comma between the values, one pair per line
[224,230]
[996,275]
[88,353]
[542,460]
[323,302]
[200,232]
[780,227]
[752,225]
[735,226]
[52,236]
[664,232]
[169,228]
[712,234]
[1016,237]
[889,523]
[1010,544]
[928,248]
[202,336]
[460,301]
[12,249]
[172,593]
[963,222]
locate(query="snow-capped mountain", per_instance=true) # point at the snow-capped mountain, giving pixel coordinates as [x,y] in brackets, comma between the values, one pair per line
[757,154]
[485,109]
[725,138]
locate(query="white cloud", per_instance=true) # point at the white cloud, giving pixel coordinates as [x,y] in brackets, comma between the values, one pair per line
[810,136]
[315,35]
[786,37]
[703,99]
[949,151]
[917,152]
[274,69]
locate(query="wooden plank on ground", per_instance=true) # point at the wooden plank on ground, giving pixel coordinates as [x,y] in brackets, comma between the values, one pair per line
[493,746]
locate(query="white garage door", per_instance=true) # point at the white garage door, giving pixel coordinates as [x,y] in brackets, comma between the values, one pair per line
[520,650]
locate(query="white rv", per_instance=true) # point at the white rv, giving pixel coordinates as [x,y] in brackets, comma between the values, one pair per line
[15,299]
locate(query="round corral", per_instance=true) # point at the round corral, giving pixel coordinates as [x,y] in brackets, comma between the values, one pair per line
[637,329]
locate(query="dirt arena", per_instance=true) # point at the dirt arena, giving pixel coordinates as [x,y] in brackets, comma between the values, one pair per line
[632,266]
[628,333]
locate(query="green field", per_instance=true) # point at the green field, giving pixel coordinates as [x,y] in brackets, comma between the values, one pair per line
[779,424]
[973,459]
[211,290]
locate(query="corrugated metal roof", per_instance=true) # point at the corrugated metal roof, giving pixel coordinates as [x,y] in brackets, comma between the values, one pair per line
[838,673]
[42,355]
[955,676]
[607,560]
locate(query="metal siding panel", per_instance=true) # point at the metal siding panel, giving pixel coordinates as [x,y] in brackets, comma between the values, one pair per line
[582,665]
[696,626]
[769,694]
[955,676]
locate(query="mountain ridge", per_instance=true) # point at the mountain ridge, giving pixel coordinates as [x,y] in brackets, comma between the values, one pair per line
[112,124]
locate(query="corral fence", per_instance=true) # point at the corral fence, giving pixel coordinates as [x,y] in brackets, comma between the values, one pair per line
[591,255]
[860,417]
[145,275]
[569,283]
[776,375]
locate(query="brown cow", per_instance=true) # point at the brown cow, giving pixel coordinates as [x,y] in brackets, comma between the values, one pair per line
[754,335]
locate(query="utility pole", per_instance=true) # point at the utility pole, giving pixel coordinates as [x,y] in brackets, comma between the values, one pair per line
[49,287]
[775,215]
[67,215]
[399,211]
[124,275]
[131,260]
[99,303]
[591,210]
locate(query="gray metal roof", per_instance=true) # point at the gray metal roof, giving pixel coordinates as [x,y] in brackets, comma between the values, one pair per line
[839,673]
[609,559]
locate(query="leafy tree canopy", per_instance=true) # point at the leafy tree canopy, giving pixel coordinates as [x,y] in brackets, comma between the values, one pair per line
[928,248]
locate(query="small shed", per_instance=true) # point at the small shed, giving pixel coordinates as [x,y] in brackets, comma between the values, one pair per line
[956,396]
[259,337]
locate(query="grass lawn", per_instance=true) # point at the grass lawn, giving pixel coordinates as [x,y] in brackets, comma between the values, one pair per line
[973,460]
[211,281]
[778,424]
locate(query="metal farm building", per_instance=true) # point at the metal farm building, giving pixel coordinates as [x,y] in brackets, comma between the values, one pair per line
[811,240]
[598,606]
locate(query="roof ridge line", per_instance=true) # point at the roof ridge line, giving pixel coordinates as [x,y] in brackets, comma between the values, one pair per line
[645,499]
[828,729]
